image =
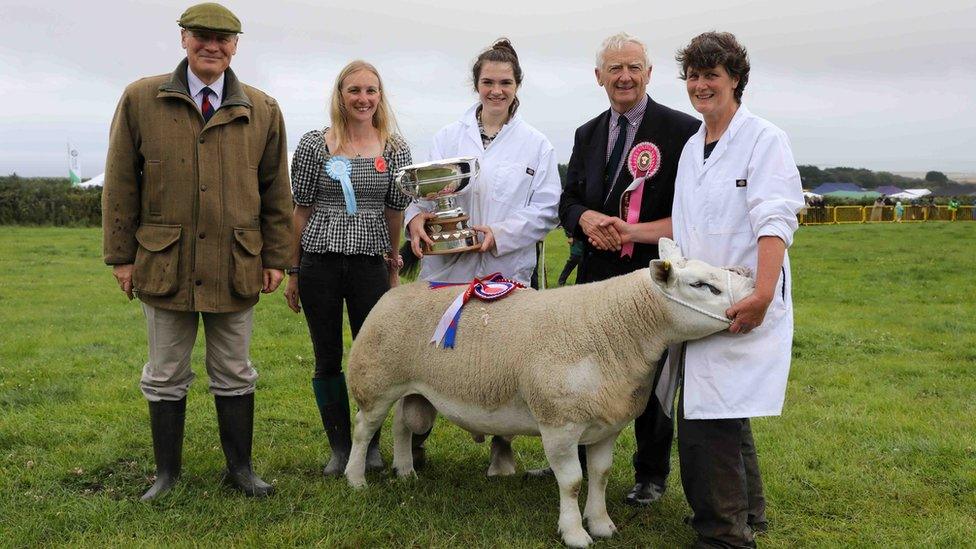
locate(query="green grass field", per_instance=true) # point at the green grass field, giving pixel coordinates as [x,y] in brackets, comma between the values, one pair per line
[877,445]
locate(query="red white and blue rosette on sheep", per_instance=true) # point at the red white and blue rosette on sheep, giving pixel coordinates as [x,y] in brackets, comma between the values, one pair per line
[488,288]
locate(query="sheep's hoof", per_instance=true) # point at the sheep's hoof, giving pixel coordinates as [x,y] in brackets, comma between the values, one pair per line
[357,483]
[501,470]
[405,473]
[576,537]
[601,528]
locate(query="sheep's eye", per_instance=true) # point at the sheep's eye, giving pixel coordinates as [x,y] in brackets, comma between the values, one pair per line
[711,288]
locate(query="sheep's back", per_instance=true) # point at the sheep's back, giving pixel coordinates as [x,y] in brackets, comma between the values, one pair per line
[497,343]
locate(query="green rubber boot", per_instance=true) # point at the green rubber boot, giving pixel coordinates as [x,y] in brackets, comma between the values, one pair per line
[333,402]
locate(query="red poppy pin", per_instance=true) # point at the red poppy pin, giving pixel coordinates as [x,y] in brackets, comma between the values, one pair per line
[380,164]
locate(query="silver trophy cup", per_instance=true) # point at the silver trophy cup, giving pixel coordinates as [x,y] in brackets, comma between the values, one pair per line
[441,181]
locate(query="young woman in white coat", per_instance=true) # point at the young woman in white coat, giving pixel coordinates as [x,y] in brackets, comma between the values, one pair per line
[736,197]
[513,202]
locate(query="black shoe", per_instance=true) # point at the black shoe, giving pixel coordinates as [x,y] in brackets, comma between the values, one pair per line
[374,460]
[166,418]
[759,528]
[545,472]
[643,494]
[235,418]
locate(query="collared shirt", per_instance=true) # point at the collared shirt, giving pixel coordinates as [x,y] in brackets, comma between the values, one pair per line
[634,117]
[196,85]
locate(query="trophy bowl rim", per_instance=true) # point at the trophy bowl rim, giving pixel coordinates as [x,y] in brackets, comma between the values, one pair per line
[471,161]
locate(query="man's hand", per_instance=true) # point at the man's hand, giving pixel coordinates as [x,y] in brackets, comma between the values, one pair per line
[624,229]
[417,233]
[487,238]
[123,275]
[601,238]
[748,314]
[272,278]
[291,294]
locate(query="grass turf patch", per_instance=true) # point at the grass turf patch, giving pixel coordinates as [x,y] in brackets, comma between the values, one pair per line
[876,446]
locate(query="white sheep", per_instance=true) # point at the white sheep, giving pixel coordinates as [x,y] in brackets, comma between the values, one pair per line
[573,365]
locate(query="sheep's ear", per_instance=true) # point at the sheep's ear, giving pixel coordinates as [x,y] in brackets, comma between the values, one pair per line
[668,250]
[661,271]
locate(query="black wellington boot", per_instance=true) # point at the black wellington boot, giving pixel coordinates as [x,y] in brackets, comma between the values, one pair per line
[374,460]
[235,417]
[166,418]
[333,403]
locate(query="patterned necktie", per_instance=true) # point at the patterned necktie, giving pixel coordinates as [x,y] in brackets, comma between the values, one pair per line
[618,149]
[206,108]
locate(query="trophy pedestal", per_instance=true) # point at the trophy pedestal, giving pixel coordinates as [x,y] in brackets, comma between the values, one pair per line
[450,235]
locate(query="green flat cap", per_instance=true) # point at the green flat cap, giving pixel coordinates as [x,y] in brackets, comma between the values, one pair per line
[210,16]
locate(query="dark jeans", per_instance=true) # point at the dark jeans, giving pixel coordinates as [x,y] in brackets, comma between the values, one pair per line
[324,282]
[720,476]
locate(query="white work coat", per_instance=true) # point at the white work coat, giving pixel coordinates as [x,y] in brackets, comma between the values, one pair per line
[516,193]
[749,187]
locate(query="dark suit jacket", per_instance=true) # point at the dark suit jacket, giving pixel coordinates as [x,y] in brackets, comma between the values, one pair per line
[586,189]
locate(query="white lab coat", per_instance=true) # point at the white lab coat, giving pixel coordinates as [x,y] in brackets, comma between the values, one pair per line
[749,187]
[516,193]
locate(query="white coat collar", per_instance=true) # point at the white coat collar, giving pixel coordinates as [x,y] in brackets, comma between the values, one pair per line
[470,121]
[698,140]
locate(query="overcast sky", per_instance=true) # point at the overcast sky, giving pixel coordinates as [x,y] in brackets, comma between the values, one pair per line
[884,85]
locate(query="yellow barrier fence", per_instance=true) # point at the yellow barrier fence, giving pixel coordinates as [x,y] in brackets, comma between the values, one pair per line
[830,215]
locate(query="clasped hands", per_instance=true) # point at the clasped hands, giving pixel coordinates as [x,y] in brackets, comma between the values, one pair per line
[605,232]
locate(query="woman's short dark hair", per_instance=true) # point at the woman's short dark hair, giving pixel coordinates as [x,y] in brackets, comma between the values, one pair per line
[711,49]
[499,52]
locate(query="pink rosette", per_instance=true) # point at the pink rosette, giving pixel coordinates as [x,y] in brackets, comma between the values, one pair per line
[644,160]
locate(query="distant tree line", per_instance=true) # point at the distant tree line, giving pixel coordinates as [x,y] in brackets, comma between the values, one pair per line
[54,201]
[48,201]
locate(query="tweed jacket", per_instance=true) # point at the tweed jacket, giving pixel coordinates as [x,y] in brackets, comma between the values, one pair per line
[200,209]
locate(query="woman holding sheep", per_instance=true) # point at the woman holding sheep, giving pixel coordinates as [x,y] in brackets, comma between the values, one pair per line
[347,219]
[513,201]
[736,196]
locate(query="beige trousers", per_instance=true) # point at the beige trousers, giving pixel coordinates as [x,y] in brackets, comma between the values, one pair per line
[171,334]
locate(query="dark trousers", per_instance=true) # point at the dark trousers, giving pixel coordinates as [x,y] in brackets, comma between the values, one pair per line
[571,264]
[720,476]
[653,431]
[325,281]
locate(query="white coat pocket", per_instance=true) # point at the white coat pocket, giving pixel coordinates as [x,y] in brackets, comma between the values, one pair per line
[510,184]
[728,210]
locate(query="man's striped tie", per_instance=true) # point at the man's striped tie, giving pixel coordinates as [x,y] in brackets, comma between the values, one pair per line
[206,108]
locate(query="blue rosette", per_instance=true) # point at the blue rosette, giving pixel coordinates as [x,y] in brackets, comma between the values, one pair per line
[340,169]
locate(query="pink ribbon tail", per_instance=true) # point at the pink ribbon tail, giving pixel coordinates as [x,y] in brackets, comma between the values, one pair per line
[633,215]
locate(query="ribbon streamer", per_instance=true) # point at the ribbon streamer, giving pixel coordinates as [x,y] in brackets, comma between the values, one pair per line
[340,168]
[489,288]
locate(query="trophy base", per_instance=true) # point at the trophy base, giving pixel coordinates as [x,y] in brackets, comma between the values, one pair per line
[450,236]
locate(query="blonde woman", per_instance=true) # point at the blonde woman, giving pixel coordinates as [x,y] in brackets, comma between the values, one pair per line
[347,219]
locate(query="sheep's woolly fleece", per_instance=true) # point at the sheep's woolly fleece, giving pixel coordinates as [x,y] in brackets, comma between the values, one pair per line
[528,345]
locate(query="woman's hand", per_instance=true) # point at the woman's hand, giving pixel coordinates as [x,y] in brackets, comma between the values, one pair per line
[291,294]
[747,314]
[487,238]
[417,233]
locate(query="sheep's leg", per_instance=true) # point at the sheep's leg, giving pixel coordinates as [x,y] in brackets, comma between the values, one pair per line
[502,459]
[367,423]
[599,458]
[402,441]
[560,446]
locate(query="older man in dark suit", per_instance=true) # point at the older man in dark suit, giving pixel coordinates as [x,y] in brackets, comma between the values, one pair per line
[623,167]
